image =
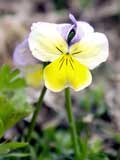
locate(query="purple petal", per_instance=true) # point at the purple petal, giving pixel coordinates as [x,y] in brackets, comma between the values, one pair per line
[73,19]
[22,55]
[64,29]
[78,36]
[82,28]
[79,33]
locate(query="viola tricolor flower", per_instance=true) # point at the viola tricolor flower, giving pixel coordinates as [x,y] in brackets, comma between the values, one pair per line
[72,50]
[31,68]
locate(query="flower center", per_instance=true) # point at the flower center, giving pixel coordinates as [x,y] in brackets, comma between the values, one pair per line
[66,60]
[71,35]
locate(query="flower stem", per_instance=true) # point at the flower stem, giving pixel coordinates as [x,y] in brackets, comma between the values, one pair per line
[72,123]
[36,112]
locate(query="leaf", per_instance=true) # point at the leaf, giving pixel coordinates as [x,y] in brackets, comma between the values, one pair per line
[11,112]
[7,147]
[17,155]
[10,79]
[14,74]
[13,100]
[98,156]
[1,127]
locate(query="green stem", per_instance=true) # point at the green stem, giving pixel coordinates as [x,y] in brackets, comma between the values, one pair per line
[72,123]
[36,112]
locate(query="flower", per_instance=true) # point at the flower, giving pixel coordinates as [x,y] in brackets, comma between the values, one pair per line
[72,50]
[31,68]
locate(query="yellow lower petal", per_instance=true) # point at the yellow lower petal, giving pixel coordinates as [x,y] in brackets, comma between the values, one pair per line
[55,77]
[33,75]
[66,71]
[79,77]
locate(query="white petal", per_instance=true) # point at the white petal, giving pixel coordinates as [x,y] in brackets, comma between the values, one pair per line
[85,27]
[91,50]
[45,41]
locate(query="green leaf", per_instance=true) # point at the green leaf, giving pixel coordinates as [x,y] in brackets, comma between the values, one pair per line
[10,79]
[17,155]
[7,147]
[13,100]
[96,147]
[1,127]
[98,156]
[11,112]
[14,74]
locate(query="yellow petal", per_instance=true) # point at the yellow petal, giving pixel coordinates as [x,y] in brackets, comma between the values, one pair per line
[33,75]
[45,42]
[55,76]
[79,76]
[91,50]
[66,72]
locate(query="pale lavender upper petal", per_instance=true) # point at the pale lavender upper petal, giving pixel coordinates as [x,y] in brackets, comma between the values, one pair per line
[72,18]
[81,31]
[82,28]
[22,55]
[63,29]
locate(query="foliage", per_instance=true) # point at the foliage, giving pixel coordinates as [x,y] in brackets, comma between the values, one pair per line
[5,149]
[10,79]
[94,101]
[13,106]
[56,144]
